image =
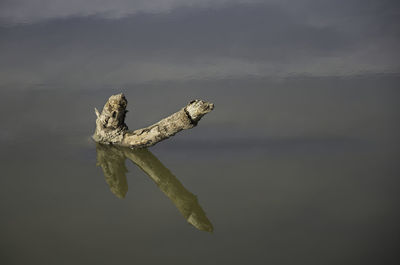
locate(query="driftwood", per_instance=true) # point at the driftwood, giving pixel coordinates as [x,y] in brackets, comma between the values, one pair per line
[112,161]
[111,127]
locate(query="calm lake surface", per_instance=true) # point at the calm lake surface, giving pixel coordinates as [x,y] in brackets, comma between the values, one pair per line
[298,164]
[287,171]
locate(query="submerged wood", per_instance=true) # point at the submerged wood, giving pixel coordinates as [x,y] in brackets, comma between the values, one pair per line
[111,127]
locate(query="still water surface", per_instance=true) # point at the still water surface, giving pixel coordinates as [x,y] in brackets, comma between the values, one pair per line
[288,171]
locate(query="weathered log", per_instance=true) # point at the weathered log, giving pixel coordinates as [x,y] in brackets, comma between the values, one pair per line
[111,127]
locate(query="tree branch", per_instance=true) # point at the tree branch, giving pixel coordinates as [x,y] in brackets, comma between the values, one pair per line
[111,127]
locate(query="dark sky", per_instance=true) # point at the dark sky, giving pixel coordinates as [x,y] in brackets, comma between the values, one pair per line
[113,43]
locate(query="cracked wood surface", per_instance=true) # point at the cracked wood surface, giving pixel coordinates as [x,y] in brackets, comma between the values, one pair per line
[111,127]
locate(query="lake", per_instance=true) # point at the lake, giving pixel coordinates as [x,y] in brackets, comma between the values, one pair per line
[298,163]
[282,171]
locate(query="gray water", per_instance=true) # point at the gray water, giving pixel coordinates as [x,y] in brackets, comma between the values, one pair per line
[285,175]
[297,164]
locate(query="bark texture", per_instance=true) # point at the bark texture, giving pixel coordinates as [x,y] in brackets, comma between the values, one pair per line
[111,127]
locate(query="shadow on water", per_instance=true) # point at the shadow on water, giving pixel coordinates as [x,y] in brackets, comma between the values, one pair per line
[112,160]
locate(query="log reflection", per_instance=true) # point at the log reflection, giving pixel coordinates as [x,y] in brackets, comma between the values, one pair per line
[112,160]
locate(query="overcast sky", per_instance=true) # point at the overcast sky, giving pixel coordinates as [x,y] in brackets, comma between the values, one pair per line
[121,42]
